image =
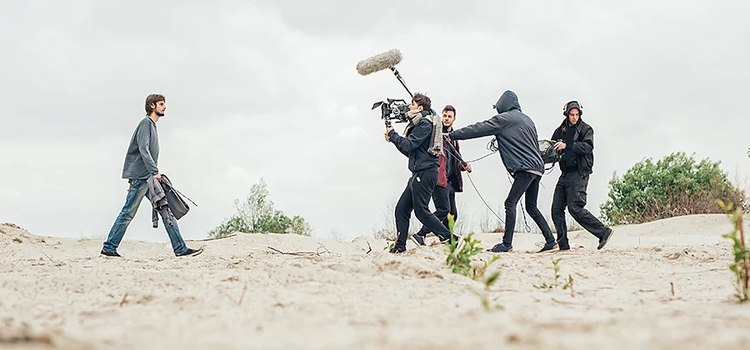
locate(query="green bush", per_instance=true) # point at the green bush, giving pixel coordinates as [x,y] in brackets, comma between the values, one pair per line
[676,185]
[258,215]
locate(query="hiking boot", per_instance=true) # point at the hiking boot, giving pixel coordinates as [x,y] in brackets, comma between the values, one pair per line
[501,248]
[418,239]
[190,252]
[603,241]
[112,254]
[397,249]
[549,246]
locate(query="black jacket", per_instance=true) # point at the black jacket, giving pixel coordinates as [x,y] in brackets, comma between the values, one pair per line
[415,145]
[582,147]
[515,132]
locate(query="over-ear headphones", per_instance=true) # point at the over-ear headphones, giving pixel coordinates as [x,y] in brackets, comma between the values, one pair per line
[573,104]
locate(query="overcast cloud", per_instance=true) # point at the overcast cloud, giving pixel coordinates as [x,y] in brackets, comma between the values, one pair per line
[269,89]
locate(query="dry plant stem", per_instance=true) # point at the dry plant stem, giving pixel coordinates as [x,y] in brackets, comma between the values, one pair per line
[55,262]
[672,286]
[293,253]
[745,265]
[215,238]
[242,297]
[570,283]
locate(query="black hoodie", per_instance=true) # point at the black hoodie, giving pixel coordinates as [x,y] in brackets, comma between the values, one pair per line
[416,143]
[515,132]
[581,148]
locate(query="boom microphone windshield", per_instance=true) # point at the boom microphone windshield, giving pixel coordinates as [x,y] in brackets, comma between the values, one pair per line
[379,62]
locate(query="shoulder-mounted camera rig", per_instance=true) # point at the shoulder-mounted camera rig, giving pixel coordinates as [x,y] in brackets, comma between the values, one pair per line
[392,110]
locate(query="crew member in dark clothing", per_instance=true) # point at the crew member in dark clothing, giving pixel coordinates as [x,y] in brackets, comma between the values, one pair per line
[449,178]
[519,149]
[576,141]
[419,145]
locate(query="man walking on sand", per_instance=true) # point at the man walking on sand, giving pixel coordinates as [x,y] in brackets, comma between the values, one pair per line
[576,141]
[422,142]
[519,149]
[141,163]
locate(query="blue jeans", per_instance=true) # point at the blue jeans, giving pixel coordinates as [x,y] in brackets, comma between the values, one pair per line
[138,190]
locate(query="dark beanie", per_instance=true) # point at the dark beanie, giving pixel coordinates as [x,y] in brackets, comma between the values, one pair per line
[573,105]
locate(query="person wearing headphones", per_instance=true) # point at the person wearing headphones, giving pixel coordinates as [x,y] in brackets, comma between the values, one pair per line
[575,139]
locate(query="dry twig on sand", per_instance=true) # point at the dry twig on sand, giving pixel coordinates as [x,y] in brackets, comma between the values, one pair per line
[321,249]
[242,297]
[293,253]
[213,239]
[124,298]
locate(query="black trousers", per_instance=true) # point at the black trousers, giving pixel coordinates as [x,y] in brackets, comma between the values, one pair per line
[571,192]
[444,199]
[524,184]
[416,197]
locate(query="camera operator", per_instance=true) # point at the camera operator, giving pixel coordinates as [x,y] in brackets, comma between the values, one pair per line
[449,178]
[423,164]
[519,149]
[576,141]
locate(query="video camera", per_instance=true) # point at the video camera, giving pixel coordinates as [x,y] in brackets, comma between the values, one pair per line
[392,109]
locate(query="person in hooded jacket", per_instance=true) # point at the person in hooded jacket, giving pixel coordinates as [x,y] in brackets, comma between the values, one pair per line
[576,141]
[519,149]
[424,168]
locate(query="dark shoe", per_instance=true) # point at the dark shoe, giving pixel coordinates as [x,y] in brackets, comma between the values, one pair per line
[190,252]
[444,239]
[397,249]
[113,254]
[563,243]
[501,248]
[418,239]
[549,246]
[603,241]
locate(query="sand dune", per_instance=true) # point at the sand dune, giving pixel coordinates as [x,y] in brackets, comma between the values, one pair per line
[239,294]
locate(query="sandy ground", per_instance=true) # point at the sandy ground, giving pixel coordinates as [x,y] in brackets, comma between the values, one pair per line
[239,294]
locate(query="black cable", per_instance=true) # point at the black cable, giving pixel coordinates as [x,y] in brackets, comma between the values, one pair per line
[491,146]
[482,198]
[454,152]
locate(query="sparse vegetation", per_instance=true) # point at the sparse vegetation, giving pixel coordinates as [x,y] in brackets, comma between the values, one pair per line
[676,185]
[460,256]
[484,296]
[741,265]
[258,215]
[459,259]
[556,283]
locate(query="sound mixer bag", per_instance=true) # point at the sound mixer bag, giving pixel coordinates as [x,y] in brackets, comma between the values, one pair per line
[548,152]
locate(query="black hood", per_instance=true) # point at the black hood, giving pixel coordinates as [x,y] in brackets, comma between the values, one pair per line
[507,102]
